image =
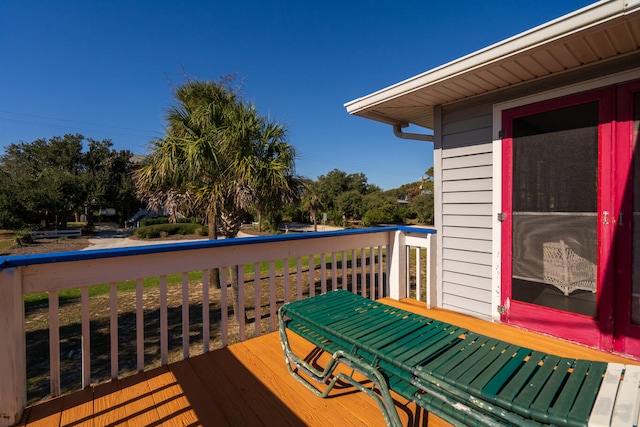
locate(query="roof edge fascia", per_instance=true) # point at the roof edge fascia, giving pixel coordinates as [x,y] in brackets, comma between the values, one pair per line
[580,19]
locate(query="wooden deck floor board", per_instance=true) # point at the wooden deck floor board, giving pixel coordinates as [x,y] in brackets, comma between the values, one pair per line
[242,396]
[197,396]
[309,409]
[168,396]
[46,414]
[249,384]
[229,400]
[77,409]
[140,408]
[108,405]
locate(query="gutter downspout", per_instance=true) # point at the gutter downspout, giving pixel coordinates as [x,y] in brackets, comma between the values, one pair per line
[397,131]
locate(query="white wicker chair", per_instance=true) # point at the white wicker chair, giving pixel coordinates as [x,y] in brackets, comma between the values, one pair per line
[566,270]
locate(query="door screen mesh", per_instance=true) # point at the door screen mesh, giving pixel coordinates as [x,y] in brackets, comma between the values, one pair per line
[555,205]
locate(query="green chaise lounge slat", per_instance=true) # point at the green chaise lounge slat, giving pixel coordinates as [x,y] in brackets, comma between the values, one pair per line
[391,335]
[480,381]
[522,402]
[559,412]
[410,354]
[442,366]
[472,366]
[520,380]
[502,377]
[542,403]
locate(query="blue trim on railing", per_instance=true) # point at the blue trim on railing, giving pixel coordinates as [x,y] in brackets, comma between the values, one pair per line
[22,260]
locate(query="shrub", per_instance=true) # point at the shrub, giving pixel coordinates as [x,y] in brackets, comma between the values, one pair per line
[378,216]
[23,237]
[335,216]
[190,220]
[145,232]
[164,230]
[165,220]
[154,221]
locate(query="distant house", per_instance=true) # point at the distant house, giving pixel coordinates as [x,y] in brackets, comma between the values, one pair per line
[537,185]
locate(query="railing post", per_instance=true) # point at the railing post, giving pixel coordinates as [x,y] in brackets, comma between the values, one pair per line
[13,386]
[397,272]
[432,299]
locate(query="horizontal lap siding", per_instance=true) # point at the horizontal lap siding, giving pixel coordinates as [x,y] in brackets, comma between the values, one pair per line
[466,211]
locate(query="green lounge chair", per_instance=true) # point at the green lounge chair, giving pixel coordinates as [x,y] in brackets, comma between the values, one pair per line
[463,377]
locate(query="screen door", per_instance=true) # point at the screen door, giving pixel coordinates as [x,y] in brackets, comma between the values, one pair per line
[555,207]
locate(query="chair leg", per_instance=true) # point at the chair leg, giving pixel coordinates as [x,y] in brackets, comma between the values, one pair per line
[296,364]
[385,401]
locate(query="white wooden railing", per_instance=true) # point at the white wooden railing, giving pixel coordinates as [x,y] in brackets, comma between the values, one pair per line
[388,261]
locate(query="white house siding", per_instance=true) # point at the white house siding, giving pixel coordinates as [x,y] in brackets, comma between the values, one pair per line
[463,162]
[465,215]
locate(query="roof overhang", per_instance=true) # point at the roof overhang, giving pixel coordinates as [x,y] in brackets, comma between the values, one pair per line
[596,33]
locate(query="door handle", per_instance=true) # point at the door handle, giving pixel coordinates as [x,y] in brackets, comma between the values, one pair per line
[605,217]
[620,215]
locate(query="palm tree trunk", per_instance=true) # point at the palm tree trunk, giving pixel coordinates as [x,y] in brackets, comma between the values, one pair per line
[259,220]
[214,274]
[213,224]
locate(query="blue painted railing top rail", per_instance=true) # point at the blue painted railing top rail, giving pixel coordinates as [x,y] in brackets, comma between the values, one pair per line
[22,260]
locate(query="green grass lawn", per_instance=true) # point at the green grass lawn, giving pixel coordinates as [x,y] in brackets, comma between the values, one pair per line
[6,239]
[4,244]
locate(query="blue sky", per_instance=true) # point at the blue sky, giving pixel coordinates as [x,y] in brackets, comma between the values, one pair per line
[106,69]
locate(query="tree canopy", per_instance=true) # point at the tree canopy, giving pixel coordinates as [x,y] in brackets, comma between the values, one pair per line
[50,181]
[349,197]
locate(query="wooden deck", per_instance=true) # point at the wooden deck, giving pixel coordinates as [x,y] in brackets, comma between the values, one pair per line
[248,384]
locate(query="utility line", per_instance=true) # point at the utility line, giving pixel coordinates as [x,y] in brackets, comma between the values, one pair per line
[84,128]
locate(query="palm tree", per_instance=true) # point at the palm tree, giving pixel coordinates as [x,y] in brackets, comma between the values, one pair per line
[187,161]
[312,201]
[198,125]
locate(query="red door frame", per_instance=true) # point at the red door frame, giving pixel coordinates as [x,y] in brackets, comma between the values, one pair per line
[597,331]
[627,336]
